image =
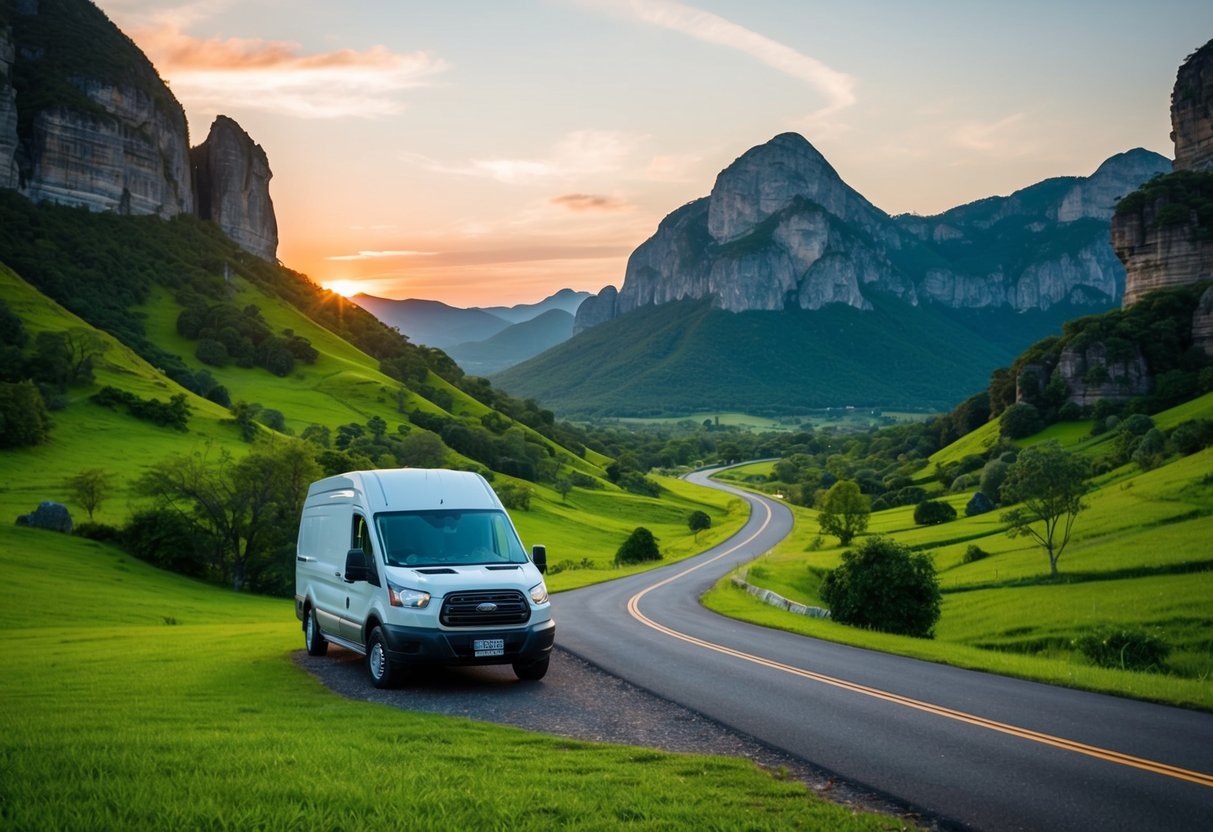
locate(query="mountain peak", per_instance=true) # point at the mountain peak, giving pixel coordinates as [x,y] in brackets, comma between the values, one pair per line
[768,178]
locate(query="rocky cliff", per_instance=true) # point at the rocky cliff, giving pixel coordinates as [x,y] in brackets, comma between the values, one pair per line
[86,120]
[781,230]
[9,175]
[1163,233]
[232,177]
[1192,111]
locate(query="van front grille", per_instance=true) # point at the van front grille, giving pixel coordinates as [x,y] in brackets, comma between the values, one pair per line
[485,607]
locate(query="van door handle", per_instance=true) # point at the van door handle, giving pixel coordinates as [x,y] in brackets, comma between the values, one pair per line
[304,559]
[336,574]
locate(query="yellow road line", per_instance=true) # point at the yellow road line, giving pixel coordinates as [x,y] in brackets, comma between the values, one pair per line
[1117,757]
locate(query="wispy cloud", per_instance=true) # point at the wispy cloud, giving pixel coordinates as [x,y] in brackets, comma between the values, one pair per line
[579,153]
[277,76]
[994,137]
[589,202]
[837,87]
[377,255]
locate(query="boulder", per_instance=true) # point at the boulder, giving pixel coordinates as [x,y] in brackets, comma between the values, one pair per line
[48,515]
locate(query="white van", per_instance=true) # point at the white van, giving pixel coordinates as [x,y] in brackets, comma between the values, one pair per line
[411,567]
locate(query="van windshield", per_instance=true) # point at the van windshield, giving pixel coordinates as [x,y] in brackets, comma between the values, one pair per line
[448,538]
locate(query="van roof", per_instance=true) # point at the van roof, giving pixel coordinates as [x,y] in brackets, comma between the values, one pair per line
[411,489]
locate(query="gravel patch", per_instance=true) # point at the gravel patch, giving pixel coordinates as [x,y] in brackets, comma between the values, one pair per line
[579,701]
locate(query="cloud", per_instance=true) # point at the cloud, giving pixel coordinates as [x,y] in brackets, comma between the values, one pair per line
[375,255]
[577,154]
[589,202]
[275,76]
[990,137]
[837,87]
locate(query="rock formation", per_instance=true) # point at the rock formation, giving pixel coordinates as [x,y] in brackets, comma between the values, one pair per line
[1202,322]
[232,177]
[1162,234]
[781,229]
[1192,111]
[9,175]
[86,120]
[1091,374]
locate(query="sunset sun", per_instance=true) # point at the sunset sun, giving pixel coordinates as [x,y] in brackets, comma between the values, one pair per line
[345,288]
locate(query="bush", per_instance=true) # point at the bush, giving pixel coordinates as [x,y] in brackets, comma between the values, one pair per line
[640,547]
[99,532]
[884,586]
[1019,421]
[974,553]
[1124,649]
[166,539]
[1192,436]
[517,497]
[933,512]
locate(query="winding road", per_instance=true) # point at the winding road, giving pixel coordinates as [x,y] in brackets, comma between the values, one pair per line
[970,749]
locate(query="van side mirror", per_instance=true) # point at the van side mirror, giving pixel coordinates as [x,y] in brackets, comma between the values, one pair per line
[539,554]
[355,566]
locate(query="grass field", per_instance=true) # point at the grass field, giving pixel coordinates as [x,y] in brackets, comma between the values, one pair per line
[1140,558]
[139,700]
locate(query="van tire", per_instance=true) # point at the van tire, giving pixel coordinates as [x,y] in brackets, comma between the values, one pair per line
[383,673]
[532,671]
[313,639]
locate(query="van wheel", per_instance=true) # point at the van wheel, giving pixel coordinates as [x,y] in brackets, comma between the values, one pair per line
[312,637]
[384,674]
[532,671]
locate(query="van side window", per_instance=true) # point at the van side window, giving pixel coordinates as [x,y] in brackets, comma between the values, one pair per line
[360,538]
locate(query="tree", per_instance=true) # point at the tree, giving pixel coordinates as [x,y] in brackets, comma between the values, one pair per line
[640,546]
[90,488]
[24,419]
[1019,420]
[843,511]
[421,449]
[249,507]
[699,521]
[1050,483]
[884,586]
[563,486]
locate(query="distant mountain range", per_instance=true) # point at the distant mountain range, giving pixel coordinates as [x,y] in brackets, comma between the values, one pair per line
[782,237]
[481,340]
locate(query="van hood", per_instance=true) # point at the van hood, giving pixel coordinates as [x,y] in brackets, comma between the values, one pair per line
[437,580]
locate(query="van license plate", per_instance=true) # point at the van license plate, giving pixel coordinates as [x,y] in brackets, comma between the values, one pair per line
[489,646]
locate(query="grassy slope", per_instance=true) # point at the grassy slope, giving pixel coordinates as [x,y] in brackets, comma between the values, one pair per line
[344,385]
[1139,557]
[110,718]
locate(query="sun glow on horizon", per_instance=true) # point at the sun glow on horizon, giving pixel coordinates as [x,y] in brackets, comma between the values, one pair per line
[345,288]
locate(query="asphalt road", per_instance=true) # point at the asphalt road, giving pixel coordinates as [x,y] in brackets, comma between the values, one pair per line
[970,749]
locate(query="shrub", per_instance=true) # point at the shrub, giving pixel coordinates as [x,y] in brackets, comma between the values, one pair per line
[699,521]
[1124,649]
[1019,421]
[884,586]
[640,547]
[166,539]
[1192,436]
[24,418]
[933,512]
[517,497]
[974,553]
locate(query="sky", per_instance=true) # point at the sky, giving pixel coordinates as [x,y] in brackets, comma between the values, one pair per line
[492,152]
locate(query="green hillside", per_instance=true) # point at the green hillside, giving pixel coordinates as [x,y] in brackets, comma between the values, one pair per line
[146,701]
[1139,560]
[134,281]
[686,357]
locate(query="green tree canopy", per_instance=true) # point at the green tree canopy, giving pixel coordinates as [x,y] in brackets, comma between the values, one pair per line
[640,546]
[843,511]
[884,586]
[1049,482]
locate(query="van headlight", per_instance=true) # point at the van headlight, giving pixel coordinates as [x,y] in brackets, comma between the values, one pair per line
[399,596]
[539,593]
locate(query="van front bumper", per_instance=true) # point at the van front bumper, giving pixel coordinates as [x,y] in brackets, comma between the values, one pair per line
[416,645]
